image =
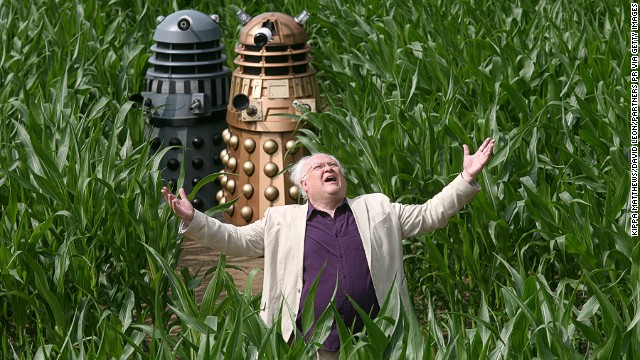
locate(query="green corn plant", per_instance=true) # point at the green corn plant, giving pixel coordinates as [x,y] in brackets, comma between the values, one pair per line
[539,265]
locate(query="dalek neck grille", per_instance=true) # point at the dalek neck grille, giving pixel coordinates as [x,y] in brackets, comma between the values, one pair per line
[187,46]
[187,59]
[273,60]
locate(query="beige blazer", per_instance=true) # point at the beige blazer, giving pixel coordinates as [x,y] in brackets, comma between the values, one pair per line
[279,237]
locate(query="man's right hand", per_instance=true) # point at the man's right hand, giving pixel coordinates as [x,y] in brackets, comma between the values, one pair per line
[181,206]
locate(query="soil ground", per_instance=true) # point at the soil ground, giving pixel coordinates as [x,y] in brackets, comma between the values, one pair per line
[198,256]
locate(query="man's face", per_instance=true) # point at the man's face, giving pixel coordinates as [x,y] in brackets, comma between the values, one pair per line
[323,179]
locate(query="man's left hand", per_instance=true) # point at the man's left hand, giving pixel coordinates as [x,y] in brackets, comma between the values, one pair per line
[473,164]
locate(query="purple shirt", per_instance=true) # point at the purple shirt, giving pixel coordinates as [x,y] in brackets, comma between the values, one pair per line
[336,241]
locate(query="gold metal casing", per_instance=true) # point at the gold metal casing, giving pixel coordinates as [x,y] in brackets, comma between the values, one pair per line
[270,83]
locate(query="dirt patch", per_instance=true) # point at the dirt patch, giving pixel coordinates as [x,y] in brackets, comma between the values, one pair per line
[198,256]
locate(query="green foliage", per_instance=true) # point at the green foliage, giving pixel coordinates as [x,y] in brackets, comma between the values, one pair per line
[539,265]
[409,83]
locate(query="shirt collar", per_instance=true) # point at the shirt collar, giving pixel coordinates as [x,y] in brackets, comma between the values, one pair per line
[311,208]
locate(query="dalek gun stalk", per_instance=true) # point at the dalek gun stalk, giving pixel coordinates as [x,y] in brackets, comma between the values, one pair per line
[241,102]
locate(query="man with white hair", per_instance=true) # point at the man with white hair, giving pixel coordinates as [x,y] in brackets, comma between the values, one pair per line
[352,245]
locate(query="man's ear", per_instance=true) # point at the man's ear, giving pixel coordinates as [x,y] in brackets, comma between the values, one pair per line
[303,185]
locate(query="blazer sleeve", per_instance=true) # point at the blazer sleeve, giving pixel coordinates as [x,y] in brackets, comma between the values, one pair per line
[226,238]
[435,213]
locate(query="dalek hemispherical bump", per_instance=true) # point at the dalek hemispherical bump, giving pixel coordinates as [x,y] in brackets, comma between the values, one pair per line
[249,145]
[233,141]
[225,158]
[197,142]
[248,167]
[270,146]
[247,213]
[271,193]
[231,186]
[270,169]
[232,164]
[226,135]
[197,163]
[216,139]
[294,192]
[247,191]
[291,147]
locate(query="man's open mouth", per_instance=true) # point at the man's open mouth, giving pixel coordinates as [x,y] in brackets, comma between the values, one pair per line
[330,178]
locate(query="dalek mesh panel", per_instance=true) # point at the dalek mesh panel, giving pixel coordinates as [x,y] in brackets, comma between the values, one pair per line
[273,80]
[187,95]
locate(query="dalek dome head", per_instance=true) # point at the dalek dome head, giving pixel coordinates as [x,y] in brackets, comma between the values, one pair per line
[187,26]
[188,46]
[188,76]
[272,30]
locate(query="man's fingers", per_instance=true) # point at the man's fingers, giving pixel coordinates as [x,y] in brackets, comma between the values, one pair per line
[487,145]
[183,195]
[490,145]
[484,145]
[465,148]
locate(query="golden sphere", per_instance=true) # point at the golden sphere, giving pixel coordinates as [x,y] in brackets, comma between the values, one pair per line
[233,141]
[270,146]
[248,168]
[223,180]
[247,190]
[271,193]
[294,192]
[226,135]
[219,195]
[290,146]
[249,145]
[231,186]
[222,200]
[232,164]
[247,213]
[270,169]
[225,158]
[230,210]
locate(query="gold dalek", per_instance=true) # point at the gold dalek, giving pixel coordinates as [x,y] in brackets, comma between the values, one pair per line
[273,81]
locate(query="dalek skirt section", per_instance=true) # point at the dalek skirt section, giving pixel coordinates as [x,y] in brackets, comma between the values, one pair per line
[273,80]
[187,95]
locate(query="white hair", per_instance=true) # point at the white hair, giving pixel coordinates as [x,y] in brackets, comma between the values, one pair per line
[297,171]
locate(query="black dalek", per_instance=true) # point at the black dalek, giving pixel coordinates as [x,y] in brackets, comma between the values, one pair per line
[186,96]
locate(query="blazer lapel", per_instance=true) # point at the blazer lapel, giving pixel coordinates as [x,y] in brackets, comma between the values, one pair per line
[298,228]
[360,213]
